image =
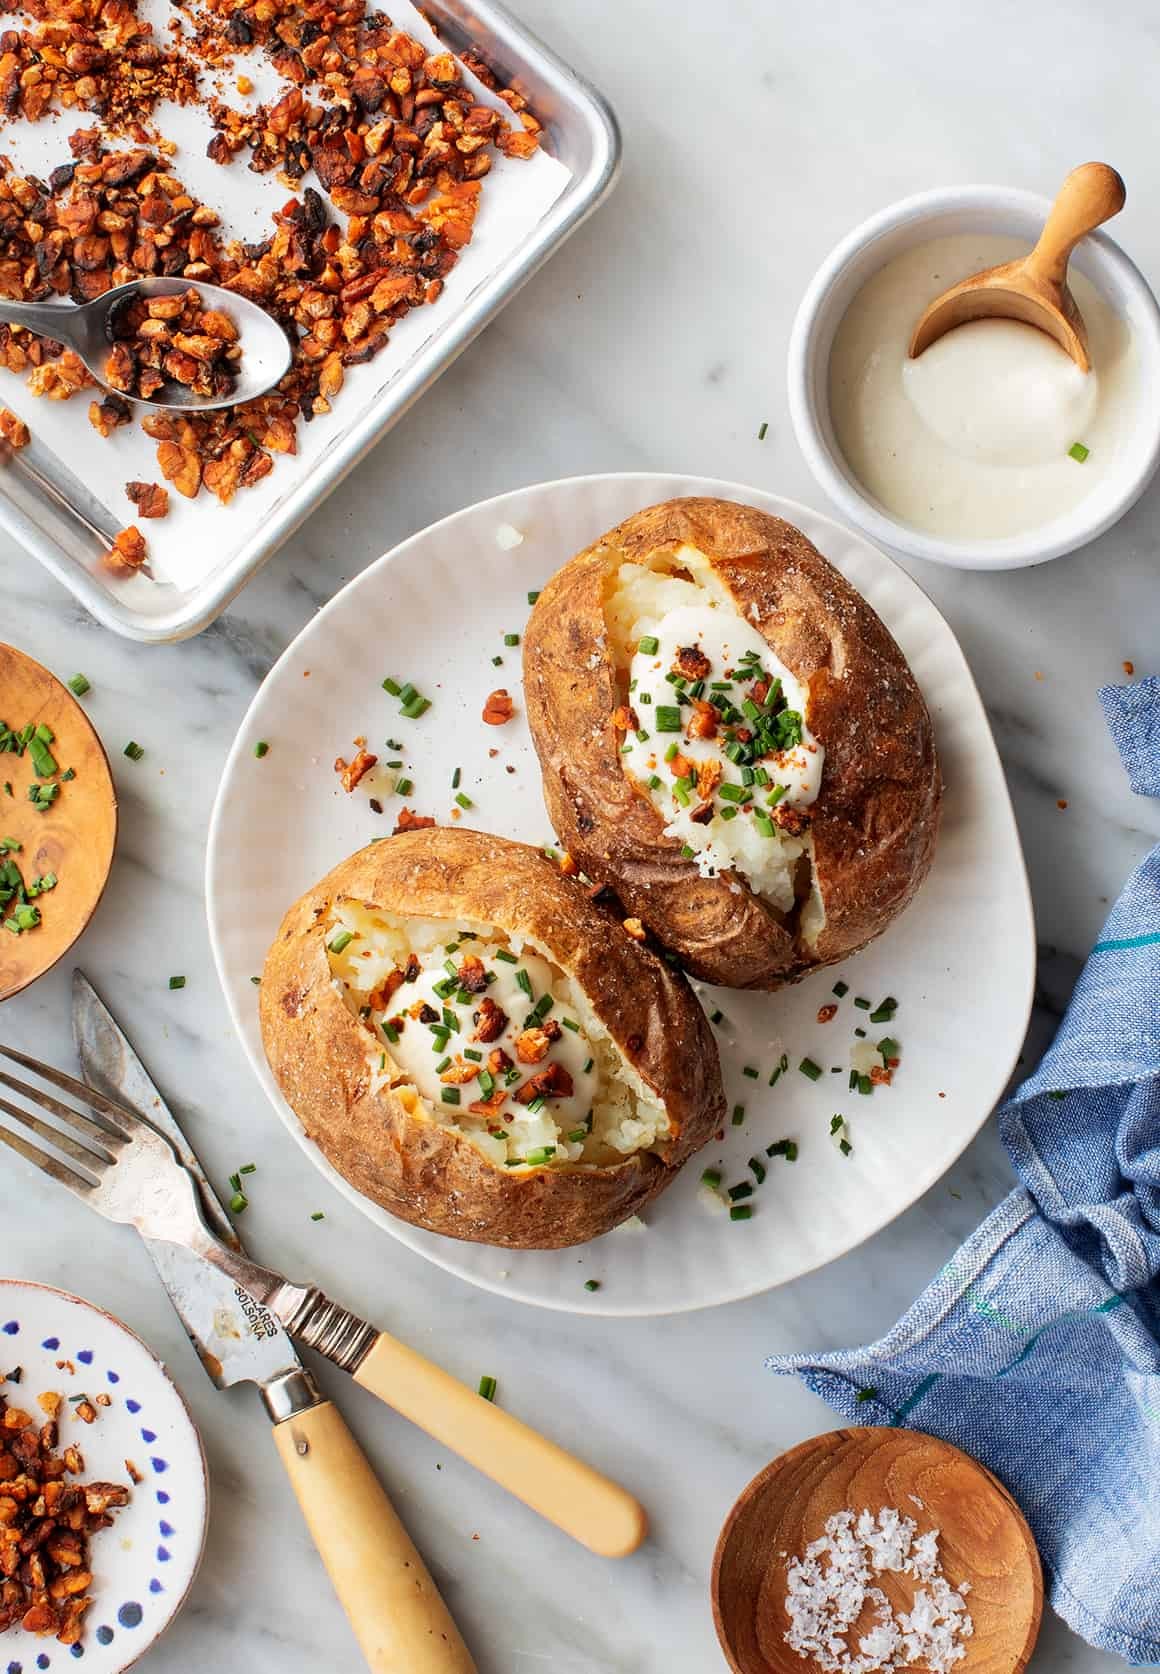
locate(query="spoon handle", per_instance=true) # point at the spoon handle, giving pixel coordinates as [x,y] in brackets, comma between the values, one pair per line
[1089,196]
[47,319]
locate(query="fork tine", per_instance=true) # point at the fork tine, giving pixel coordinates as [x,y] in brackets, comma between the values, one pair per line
[126,1120]
[48,1165]
[96,1164]
[99,1134]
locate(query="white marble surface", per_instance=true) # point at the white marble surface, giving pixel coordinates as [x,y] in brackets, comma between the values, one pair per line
[656,339]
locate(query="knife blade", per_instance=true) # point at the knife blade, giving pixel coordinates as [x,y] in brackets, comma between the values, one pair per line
[400,1620]
[236,1339]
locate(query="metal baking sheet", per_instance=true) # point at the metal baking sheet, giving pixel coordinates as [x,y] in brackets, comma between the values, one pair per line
[204,553]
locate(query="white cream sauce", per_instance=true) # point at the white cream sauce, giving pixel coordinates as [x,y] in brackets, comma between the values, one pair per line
[972,439]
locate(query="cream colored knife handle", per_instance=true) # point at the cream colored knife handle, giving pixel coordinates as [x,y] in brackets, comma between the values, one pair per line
[401,1623]
[588,1506]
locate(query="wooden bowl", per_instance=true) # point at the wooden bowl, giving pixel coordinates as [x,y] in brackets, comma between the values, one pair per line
[74,838]
[983,1539]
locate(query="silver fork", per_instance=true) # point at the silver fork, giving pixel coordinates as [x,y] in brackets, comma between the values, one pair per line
[127,1171]
[124,1169]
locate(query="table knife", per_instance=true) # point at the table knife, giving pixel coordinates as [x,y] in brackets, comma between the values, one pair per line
[400,1621]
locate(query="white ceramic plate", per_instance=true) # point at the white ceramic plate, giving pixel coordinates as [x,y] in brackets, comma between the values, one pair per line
[144,1565]
[960,960]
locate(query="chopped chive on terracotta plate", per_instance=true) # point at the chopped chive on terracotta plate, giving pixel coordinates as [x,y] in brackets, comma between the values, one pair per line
[143,1566]
[441,611]
[67,834]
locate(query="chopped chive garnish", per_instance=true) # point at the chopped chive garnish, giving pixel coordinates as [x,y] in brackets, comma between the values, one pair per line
[863,1005]
[577,1136]
[592,1284]
[511,639]
[261,748]
[865,1085]
[884,1012]
[738,1115]
[786,1148]
[487,1388]
[716,1017]
[740,1212]
[248,1168]
[238,1202]
[889,1048]
[588,1065]
[1078,452]
[533,596]
[808,1067]
[497,662]
[571,1023]
[470,1052]
[405,787]
[442,1065]
[711,1178]
[416,707]
[654,782]
[841,989]
[133,750]
[750,1072]
[450,1095]
[866,1394]
[508,958]
[648,645]
[861,1034]
[758,1168]
[743,1189]
[463,800]
[340,940]
[668,718]
[764,825]
[543,1152]
[79,685]
[455,778]
[763,431]
[524,981]
[177,982]
[318,1215]
[392,686]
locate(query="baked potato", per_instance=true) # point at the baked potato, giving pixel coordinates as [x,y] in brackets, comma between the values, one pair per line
[730,739]
[480,1048]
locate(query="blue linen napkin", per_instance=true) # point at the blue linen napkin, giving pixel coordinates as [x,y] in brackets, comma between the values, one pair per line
[1037,1348]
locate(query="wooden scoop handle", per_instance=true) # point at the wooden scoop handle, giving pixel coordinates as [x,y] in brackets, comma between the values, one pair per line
[1089,196]
[591,1508]
[401,1623]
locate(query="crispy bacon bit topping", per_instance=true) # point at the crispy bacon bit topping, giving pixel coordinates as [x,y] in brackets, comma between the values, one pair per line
[703,722]
[490,1022]
[423,1013]
[490,1106]
[13,429]
[45,1524]
[407,821]
[552,1082]
[702,813]
[635,929]
[498,1061]
[380,998]
[793,821]
[472,974]
[150,499]
[691,662]
[880,1076]
[128,552]
[412,970]
[459,1072]
[709,776]
[681,767]
[498,708]
[567,865]
[826,1014]
[534,1044]
[353,772]
[624,719]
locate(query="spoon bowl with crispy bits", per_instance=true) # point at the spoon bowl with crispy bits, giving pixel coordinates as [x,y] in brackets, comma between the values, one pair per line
[166,342]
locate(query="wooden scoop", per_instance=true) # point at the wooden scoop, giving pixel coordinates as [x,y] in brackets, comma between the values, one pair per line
[73,837]
[983,1539]
[1034,288]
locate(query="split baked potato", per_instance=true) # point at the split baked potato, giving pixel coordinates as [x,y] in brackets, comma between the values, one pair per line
[480,1048]
[731,740]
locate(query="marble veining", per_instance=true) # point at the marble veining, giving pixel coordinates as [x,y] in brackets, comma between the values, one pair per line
[755,136]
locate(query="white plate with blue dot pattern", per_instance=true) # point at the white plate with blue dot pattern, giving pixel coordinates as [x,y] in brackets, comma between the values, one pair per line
[143,1566]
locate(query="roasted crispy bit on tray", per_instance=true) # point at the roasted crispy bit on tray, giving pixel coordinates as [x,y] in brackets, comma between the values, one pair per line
[128,553]
[13,429]
[45,1524]
[398,141]
[150,499]
[173,339]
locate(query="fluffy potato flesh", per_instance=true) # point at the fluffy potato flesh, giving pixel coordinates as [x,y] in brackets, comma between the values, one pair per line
[717,729]
[487,1037]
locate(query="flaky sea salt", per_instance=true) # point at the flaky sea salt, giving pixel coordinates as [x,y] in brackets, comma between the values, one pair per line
[831,1589]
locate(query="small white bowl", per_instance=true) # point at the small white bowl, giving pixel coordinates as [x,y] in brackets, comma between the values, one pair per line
[940,214]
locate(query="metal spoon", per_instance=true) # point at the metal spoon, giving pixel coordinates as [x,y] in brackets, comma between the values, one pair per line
[1034,289]
[87,329]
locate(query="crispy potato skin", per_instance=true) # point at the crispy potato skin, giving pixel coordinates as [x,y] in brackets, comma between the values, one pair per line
[321,1054]
[876,817]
